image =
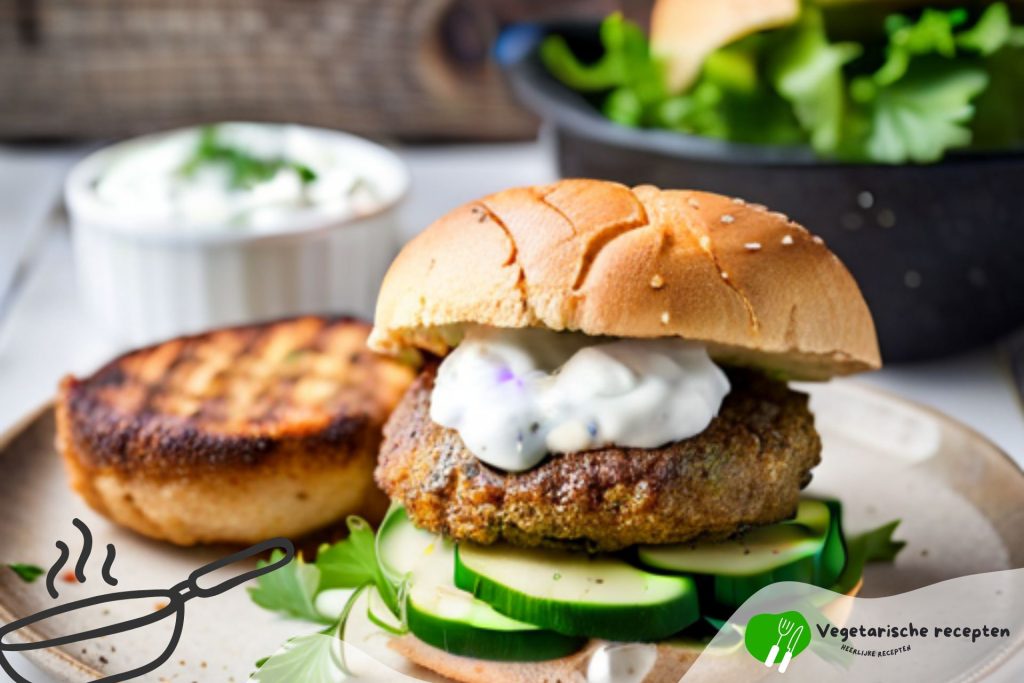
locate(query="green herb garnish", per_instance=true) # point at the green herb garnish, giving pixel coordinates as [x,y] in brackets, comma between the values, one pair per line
[315,658]
[245,170]
[875,545]
[26,572]
[292,590]
[933,82]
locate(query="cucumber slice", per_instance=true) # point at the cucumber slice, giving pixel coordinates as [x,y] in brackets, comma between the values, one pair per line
[809,549]
[577,595]
[401,546]
[450,619]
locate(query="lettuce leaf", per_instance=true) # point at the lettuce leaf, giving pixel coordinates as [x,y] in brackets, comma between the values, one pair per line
[993,31]
[627,69]
[940,81]
[807,70]
[924,114]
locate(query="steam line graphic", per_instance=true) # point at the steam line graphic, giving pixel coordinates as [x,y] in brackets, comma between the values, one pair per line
[51,575]
[281,550]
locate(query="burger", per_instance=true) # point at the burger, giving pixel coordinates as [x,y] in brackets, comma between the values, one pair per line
[601,444]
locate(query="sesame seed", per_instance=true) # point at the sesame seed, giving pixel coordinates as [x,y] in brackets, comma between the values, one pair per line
[665,318]
[725,275]
[693,202]
[739,200]
[657,282]
[817,240]
[728,218]
[787,240]
[752,246]
[705,242]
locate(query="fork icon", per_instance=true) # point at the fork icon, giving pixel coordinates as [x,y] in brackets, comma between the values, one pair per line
[785,627]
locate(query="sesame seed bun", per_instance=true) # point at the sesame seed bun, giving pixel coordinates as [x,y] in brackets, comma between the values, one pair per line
[604,259]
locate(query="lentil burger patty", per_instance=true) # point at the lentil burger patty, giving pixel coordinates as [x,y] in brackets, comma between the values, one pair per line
[745,469]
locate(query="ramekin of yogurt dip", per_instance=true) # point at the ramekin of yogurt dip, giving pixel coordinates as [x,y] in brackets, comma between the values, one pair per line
[194,228]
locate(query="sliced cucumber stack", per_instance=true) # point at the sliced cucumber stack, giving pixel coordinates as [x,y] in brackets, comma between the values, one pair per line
[453,620]
[577,595]
[809,549]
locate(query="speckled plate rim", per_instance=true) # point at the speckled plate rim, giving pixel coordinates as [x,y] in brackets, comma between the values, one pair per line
[62,665]
[54,661]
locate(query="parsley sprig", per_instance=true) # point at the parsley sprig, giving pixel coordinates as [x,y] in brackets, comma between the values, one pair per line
[245,170]
[292,591]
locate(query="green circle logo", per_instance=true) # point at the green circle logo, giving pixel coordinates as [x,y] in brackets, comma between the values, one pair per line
[777,638]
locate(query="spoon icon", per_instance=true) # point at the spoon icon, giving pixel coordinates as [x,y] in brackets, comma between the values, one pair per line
[176,597]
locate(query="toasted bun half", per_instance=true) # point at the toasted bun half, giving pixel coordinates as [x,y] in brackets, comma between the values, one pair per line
[604,259]
[685,32]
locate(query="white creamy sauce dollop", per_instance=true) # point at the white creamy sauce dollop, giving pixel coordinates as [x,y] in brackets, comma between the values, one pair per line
[622,663]
[515,395]
[151,182]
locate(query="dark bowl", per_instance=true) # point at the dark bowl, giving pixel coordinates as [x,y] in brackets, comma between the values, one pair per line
[937,249]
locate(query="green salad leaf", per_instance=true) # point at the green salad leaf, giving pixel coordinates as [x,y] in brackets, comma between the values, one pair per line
[626,69]
[290,590]
[807,70]
[353,563]
[923,114]
[931,34]
[993,31]
[313,658]
[939,80]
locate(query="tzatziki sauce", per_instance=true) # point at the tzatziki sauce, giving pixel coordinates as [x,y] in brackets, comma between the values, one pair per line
[233,176]
[516,395]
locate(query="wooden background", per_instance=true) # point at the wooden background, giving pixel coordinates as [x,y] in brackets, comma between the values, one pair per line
[411,69]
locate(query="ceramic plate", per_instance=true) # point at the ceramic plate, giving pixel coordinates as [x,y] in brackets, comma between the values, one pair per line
[960,498]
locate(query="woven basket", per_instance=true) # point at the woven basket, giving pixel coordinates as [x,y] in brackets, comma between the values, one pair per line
[406,68]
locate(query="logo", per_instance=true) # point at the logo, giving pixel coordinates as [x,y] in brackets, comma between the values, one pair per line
[777,638]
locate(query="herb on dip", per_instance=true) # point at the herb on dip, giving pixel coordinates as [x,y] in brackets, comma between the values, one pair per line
[236,176]
[245,169]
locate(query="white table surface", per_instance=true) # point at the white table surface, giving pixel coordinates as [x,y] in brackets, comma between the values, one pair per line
[44,333]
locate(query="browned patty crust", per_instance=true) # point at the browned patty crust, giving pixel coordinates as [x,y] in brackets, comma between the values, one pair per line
[745,469]
[235,435]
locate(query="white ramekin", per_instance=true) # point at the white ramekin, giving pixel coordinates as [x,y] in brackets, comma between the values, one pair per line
[148,284]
